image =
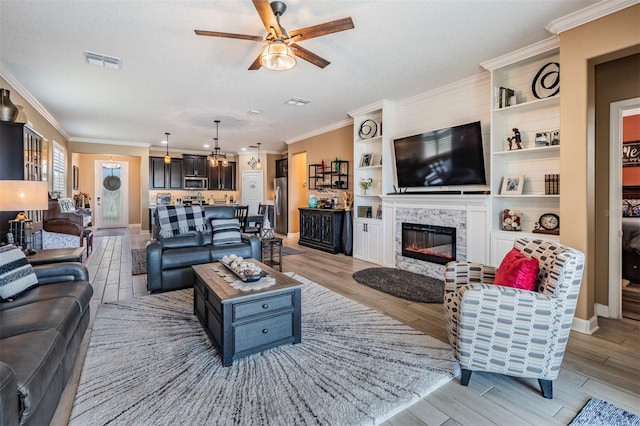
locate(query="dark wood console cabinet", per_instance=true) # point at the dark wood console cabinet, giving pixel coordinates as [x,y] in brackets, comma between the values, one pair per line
[321,229]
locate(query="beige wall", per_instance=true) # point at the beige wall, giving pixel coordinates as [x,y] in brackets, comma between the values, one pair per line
[615,80]
[138,158]
[327,146]
[578,47]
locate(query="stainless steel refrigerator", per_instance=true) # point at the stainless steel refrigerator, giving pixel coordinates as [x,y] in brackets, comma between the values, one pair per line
[280,205]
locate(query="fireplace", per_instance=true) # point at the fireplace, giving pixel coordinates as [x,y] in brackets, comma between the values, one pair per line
[430,243]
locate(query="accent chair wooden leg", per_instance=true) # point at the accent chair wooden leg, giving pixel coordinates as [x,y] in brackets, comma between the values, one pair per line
[546,386]
[466,375]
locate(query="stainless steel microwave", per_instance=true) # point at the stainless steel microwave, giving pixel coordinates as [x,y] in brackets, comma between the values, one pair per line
[192,182]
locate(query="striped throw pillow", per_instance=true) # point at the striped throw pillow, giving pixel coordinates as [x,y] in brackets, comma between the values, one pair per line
[16,273]
[226,231]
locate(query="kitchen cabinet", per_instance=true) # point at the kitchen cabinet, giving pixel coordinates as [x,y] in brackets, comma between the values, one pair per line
[194,165]
[223,178]
[321,229]
[165,176]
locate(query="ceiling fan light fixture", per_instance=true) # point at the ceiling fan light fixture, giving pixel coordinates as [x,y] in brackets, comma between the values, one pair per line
[278,56]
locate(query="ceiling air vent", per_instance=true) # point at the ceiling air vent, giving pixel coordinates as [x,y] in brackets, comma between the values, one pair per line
[104,61]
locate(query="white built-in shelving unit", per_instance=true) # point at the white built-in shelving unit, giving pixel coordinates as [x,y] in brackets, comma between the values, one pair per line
[368,235]
[529,115]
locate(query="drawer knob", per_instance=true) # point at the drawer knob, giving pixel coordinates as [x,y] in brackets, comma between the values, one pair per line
[265,306]
[265,331]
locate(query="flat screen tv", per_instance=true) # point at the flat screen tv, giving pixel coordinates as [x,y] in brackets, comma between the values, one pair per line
[445,157]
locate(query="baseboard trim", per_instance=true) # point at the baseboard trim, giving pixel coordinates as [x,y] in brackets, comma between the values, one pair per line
[589,326]
[602,310]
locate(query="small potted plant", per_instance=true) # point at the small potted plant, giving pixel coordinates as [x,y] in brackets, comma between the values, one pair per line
[365,184]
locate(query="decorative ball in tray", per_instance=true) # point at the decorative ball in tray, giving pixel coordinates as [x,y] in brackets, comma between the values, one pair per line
[245,270]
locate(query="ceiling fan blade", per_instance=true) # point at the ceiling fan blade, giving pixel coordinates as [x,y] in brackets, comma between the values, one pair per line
[321,29]
[257,64]
[268,17]
[309,56]
[228,35]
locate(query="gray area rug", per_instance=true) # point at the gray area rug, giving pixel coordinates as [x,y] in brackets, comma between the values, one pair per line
[354,366]
[404,284]
[139,259]
[601,413]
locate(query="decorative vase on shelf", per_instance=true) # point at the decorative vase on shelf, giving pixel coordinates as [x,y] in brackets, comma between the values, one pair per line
[8,111]
[313,201]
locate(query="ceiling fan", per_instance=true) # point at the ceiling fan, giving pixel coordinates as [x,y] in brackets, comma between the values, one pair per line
[281,45]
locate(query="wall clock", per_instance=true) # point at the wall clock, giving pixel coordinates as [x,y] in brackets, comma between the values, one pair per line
[548,223]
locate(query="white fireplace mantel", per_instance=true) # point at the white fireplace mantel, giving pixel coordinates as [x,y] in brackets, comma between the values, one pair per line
[472,211]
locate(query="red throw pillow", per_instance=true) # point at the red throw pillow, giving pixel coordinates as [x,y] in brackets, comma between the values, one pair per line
[517,271]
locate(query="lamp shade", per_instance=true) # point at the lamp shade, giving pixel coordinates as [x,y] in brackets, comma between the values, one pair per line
[278,56]
[22,195]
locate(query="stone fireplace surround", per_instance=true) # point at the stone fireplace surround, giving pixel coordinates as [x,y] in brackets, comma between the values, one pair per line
[468,213]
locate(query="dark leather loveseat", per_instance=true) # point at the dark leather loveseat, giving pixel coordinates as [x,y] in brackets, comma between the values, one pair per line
[40,335]
[169,260]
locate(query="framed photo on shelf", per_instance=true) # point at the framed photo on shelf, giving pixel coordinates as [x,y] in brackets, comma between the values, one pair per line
[512,185]
[366,159]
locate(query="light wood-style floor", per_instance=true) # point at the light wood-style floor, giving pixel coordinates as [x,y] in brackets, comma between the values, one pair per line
[605,365]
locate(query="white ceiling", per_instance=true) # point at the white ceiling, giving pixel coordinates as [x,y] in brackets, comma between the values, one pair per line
[174,81]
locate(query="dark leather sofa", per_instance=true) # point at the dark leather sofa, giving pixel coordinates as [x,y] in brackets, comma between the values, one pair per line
[169,260]
[40,335]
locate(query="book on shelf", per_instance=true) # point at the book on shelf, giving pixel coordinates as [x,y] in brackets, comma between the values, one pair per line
[504,97]
[552,184]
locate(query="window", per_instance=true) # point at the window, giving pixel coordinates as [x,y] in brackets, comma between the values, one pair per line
[58,169]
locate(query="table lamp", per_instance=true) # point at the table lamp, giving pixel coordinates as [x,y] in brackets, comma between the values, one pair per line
[22,196]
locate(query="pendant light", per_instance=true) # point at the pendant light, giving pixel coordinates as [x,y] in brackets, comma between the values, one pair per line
[259,164]
[167,158]
[216,158]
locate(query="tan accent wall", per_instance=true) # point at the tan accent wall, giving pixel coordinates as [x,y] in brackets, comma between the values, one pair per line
[327,146]
[579,47]
[615,80]
[138,159]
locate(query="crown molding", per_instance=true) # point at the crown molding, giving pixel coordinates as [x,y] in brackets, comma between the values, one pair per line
[320,131]
[109,142]
[588,14]
[18,87]
[526,52]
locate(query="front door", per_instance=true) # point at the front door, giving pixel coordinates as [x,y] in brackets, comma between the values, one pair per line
[111,194]
[252,189]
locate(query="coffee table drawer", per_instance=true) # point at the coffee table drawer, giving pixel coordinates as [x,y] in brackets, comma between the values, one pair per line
[262,306]
[263,333]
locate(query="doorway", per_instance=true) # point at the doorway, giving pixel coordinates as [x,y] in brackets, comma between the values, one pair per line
[621,182]
[111,194]
[252,189]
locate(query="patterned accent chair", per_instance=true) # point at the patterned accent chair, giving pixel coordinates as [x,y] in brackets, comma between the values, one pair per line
[510,331]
